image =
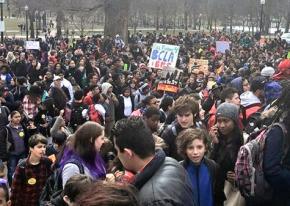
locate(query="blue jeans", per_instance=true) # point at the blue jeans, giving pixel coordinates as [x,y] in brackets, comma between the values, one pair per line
[12,163]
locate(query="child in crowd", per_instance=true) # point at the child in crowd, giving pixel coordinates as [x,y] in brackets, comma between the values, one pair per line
[192,144]
[31,174]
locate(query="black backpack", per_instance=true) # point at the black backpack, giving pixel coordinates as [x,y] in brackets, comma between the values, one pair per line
[77,117]
[53,186]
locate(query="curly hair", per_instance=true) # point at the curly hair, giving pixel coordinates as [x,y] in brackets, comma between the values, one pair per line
[186,103]
[187,136]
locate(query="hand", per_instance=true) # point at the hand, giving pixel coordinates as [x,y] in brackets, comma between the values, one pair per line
[61,112]
[110,178]
[213,133]
[231,177]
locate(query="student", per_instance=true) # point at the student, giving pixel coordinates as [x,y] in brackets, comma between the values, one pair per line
[108,195]
[4,193]
[276,159]
[192,145]
[226,139]
[151,117]
[74,187]
[15,133]
[187,110]
[159,179]
[84,151]
[31,174]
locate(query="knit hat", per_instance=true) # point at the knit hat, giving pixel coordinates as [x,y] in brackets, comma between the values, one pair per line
[228,110]
[105,87]
[273,90]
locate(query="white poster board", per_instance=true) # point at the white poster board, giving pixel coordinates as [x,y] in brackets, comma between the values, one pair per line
[163,56]
[32,45]
[222,46]
[2,26]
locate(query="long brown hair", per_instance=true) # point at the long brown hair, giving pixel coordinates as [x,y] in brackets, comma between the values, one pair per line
[108,194]
[84,139]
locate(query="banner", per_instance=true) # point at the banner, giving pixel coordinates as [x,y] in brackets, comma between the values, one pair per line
[32,45]
[163,55]
[200,64]
[222,46]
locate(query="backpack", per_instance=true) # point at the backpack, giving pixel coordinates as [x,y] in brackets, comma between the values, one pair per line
[255,111]
[4,113]
[77,117]
[53,184]
[249,167]
[95,115]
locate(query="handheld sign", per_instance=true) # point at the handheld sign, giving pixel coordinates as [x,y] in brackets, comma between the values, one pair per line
[222,46]
[2,26]
[200,64]
[163,55]
[32,45]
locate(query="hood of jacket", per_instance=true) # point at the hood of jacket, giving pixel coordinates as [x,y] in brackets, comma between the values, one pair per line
[248,98]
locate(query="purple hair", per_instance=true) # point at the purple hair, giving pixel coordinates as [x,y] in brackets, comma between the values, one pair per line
[97,167]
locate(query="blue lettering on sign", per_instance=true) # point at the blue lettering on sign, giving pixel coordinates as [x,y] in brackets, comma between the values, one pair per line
[167,56]
[171,57]
[160,56]
[154,54]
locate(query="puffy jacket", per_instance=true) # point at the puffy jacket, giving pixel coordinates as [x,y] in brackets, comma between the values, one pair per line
[164,182]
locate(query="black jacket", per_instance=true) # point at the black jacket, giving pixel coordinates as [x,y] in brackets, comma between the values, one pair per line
[214,170]
[164,182]
[7,142]
[225,153]
[277,165]
[121,107]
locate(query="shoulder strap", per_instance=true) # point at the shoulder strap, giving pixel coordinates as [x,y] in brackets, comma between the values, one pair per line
[77,163]
[286,141]
[173,129]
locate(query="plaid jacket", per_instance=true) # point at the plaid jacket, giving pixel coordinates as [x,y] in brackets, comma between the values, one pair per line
[28,182]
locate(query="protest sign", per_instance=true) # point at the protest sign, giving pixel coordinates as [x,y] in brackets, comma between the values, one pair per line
[163,55]
[32,45]
[222,46]
[200,64]
[167,87]
[2,26]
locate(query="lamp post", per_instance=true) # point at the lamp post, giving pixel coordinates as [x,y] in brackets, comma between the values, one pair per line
[199,22]
[2,21]
[26,21]
[262,14]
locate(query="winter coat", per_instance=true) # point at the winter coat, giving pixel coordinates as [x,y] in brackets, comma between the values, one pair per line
[218,193]
[164,182]
[277,165]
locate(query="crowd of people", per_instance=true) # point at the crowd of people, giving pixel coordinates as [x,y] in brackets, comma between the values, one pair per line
[83,122]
